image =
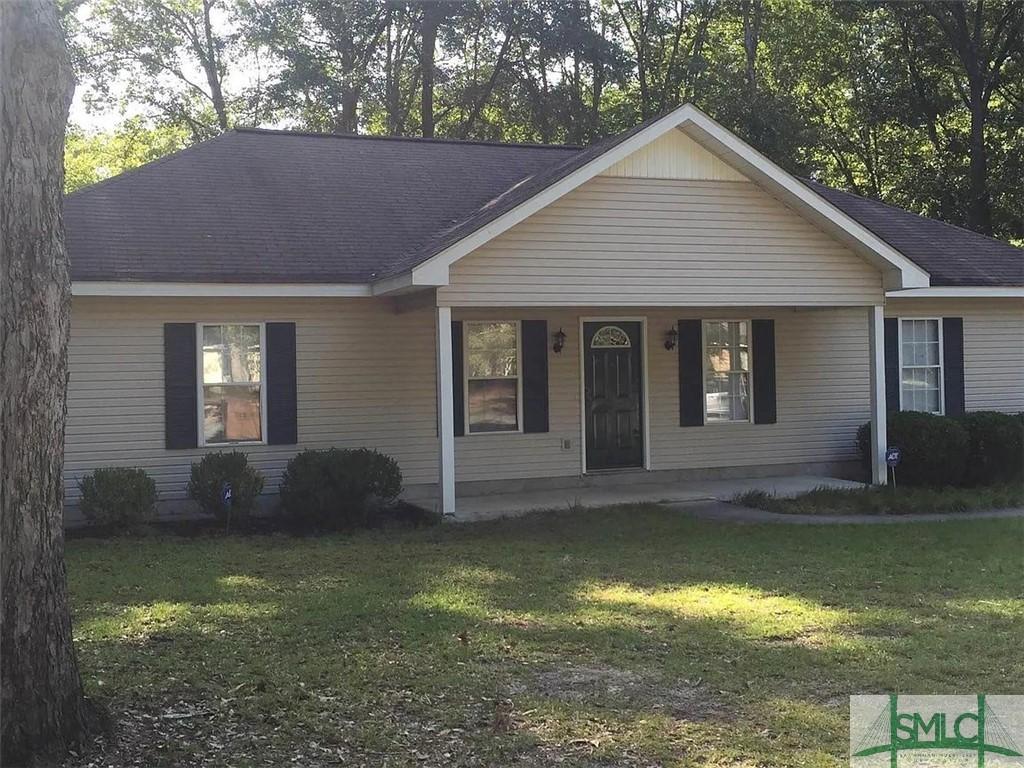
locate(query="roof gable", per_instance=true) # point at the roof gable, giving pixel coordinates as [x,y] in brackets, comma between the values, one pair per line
[430,267]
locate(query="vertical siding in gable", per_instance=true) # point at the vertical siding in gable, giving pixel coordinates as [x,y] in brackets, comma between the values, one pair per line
[365,377]
[674,156]
[643,242]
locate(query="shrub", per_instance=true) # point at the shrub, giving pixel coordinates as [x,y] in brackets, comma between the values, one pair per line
[209,478]
[934,449]
[996,445]
[338,489]
[121,496]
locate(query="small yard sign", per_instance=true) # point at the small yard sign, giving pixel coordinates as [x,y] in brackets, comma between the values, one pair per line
[893,456]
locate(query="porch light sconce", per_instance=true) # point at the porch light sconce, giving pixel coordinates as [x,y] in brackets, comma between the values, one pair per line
[671,338]
[559,341]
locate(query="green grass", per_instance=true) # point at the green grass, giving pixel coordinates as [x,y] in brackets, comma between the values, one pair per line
[624,636]
[876,500]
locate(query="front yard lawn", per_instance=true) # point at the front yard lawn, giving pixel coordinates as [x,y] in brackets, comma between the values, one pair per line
[624,636]
[886,500]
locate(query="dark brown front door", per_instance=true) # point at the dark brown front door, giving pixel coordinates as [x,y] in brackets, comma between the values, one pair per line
[613,394]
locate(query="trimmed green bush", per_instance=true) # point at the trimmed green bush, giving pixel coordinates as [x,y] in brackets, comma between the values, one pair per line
[996,447]
[213,473]
[119,496]
[338,489]
[934,449]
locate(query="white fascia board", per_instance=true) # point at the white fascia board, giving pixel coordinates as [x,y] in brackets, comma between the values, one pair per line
[900,271]
[241,290]
[434,271]
[959,292]
[400,283]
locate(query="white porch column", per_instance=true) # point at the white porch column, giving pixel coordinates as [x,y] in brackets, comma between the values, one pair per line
[876,334]
[445,413]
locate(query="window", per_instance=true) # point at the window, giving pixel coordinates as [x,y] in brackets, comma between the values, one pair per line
[231,391]
[610,336]
[921,365]
[726,371]
[492,377]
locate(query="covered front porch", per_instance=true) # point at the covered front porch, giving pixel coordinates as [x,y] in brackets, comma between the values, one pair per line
[605,405]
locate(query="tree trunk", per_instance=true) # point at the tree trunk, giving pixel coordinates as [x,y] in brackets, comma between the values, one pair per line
[979,210]
[433,13]
[211,67]
[44,712]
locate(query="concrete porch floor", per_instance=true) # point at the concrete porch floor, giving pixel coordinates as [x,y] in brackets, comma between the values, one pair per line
[495,505]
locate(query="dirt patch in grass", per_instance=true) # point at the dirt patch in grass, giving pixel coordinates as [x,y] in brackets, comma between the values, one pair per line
[606,686]
[198,732]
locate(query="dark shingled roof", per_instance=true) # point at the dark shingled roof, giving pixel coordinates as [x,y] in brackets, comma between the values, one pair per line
[951,255]
[279,206]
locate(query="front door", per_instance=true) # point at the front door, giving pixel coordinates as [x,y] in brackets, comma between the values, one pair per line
[613,394]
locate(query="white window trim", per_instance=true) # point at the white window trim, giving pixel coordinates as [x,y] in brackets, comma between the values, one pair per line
[466,378]
[200,431]
[942,361]
[704,374]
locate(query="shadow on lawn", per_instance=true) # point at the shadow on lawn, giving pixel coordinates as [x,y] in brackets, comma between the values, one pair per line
[621,617]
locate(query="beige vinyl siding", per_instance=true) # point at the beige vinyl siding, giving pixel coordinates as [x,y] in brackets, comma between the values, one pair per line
[822,395]
[993,346]
[513,456]
[643,242]
[674,156]
[822,390]
[365,377]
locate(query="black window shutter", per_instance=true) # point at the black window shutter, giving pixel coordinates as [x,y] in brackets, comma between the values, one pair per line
[282,392]
[181,416]
[458,380]
[762,338]
[534,335]
[892,364]
[691,374]
[953,365]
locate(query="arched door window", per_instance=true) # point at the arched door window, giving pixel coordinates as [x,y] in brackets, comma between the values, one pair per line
[610,336]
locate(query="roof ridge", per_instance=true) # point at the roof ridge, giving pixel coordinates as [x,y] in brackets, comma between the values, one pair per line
[419,139]
[932,219]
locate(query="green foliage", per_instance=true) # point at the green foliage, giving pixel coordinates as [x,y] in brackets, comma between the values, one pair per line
[935,449]
[209,477]
[996,447]
[886,500]
[92,157]
[118,496]
[338,489]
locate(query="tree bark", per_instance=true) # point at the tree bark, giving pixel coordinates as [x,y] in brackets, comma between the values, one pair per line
[212,69]
[433,14]
[43,709]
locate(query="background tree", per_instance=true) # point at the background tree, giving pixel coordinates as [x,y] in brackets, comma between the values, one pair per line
[917,103]
[172,56]
[92,157]
[43,709]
